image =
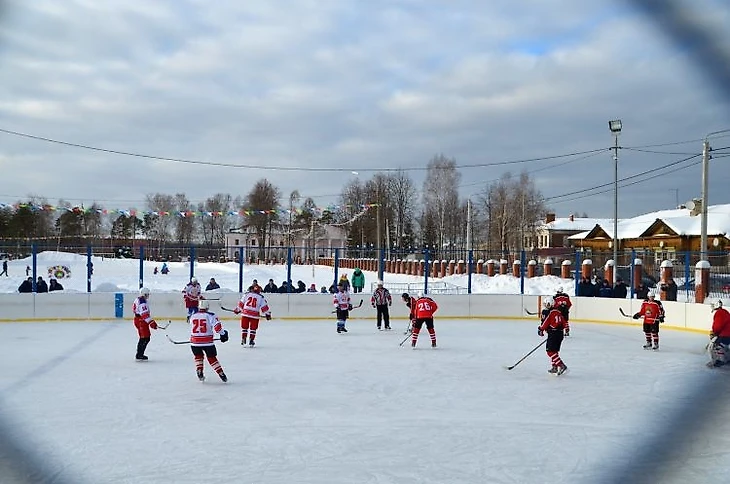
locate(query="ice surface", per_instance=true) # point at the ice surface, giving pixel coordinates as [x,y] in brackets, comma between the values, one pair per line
[308,405]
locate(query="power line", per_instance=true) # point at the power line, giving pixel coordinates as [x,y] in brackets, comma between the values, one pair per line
[284,168]
[623,179]
[632,183]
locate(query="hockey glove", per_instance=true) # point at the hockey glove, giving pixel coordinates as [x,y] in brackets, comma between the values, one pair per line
[349,307]
[660,319]
[268,317]
[153,324]
[540,332]
[567,333]
[713,336]
[637,315]
[224,336]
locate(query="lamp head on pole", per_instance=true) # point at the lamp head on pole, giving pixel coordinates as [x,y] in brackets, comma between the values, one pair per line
[615,126]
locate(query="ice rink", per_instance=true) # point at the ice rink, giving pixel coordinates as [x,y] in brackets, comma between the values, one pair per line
[308,405]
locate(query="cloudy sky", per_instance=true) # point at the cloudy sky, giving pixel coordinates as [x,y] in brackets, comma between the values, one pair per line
[305,92]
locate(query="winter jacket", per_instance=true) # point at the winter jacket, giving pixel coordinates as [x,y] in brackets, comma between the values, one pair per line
[358,278]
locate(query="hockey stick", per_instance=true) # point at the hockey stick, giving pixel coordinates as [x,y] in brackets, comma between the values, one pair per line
[184,342]
[159,326]
[530,312]
[621,310]
[353,307]
[528,354]
[229,310]
[405,339]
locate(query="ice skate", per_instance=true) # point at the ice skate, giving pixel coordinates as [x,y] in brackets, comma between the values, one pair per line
[243,341]
[223,377]
[339,330]
[647,346]
[433,344]
[655,347]
[387,328]
[251,344]
[344,330]
[141,358]
[201,377]
[553,370]
[561,369]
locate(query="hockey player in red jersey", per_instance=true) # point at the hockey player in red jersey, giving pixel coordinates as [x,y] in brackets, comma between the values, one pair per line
[562,302]
[251,306]
[554,323]
[423,310]
[653,313]
[191,296]
[143,322]
[203,325]
[720,335]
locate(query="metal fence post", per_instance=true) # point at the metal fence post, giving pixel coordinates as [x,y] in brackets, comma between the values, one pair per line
[381,263]
[426,270]
[241,254]
[522,271]
[192,261]
[631,273]
[34,258]
[578,262]
[469,268]
[89,268]
[141,266]
[337,265]
[288,268]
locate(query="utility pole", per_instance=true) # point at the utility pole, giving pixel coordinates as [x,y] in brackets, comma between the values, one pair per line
[377,222]
[705,172]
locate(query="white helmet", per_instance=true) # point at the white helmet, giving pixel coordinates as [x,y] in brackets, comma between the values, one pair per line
[419,294]
[560,289]
[380,283]
[203,304]
[193,280]
[144,292]
[548,302]
[716,305]
[652,293]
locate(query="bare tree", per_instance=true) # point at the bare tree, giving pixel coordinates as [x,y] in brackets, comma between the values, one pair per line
[158,226]
[215,221]
[184,220]
[441,198]
[403,197]
[263,200]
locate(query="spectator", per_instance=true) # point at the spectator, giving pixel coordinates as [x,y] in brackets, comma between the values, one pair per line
[323,290]
[27,271]
[271,287]
[164,269]
[212,285]
[344,282]
[26,285]
[91,268]
[313,288]
[333,288]
[642,292]
[286,287]
[55,286]
[620,290]
[358,280]
[585,288]
[597,287]
[41,285]
[670,290]
[301,287]
[5,268]
[605,289]
[155,271]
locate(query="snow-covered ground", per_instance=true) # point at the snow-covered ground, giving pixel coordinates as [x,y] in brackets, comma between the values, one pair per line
[308,405]
[115,275]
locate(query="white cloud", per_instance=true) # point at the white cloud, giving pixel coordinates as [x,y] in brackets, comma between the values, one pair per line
[337,84]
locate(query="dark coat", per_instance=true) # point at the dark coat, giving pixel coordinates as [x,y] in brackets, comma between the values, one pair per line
[41,286]
[585,288]
[642,292]
[620,290]
[26,286]
[271,287]
[55,286]
[671,290]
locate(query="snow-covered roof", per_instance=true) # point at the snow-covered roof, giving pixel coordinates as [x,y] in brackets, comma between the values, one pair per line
[679,220]
[576,224]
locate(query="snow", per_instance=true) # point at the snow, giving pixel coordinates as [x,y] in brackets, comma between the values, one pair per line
[308,405]
[122,275]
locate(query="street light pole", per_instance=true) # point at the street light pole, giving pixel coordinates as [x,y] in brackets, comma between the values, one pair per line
[615,127]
